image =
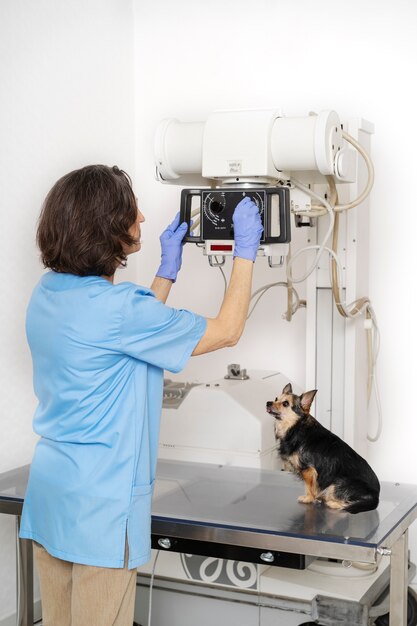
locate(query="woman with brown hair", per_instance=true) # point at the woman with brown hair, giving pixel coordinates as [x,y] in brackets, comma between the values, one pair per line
[99,350]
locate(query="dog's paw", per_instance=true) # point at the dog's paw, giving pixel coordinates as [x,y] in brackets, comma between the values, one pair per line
[306,499]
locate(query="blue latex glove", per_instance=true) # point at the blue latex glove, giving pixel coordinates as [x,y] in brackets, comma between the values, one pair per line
[171,249]
[247,228]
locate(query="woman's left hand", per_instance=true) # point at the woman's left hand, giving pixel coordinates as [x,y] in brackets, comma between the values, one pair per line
[171,249]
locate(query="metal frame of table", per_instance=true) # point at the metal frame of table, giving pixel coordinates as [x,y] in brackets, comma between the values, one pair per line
[24,565]
[394,544]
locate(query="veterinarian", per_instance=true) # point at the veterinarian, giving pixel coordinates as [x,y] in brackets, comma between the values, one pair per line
[99,351]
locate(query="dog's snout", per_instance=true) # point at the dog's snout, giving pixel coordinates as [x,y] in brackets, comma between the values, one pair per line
[269,403]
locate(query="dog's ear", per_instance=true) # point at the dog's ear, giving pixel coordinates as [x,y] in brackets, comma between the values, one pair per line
[287,388]
[306,399]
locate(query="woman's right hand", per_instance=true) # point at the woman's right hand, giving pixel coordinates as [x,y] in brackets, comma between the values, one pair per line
[247,229]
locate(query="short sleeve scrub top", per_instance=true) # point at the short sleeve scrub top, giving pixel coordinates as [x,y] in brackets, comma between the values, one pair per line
[99,351]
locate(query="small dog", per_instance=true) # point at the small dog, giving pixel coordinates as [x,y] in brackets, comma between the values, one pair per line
[332,471]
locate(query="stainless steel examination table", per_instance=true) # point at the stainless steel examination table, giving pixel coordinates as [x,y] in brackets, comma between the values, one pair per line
[251,515]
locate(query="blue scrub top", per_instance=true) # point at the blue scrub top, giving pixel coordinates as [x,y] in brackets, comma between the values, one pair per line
[99,351]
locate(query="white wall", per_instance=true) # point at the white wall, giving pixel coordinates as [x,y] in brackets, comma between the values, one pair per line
[66,77]
[356,57]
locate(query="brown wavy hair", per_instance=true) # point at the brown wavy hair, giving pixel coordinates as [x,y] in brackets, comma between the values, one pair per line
[85,220]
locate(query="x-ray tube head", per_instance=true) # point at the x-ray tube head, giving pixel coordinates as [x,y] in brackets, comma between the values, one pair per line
[178,148]
[307,143]
[249,146]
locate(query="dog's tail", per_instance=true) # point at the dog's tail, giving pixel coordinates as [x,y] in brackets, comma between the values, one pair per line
[367,502]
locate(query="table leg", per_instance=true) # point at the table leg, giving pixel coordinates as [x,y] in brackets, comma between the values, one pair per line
[399,582]
[24,565]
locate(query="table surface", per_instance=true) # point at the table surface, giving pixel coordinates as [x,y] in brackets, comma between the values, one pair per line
[255,500]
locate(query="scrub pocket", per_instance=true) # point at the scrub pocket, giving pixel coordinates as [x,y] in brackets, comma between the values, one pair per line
[139,522]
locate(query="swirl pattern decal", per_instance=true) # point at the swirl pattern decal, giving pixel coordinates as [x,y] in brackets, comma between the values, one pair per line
[221,571]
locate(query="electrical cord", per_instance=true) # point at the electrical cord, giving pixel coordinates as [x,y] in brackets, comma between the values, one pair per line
[223,274]
[354,309]
[371,175]
[379,409]
[373,343]
[195,224]
[322,246]
[258,584]
[343,571]
[290,292]
[319,210]
[151,589]
[296,304]
[18,569]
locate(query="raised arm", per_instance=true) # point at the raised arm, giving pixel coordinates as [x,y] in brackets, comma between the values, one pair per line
[225,330]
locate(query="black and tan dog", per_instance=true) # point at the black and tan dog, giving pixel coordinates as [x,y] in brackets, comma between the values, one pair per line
[332,471]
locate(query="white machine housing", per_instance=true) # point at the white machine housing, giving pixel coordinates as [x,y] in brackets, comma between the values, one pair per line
[258,147]
[252,146]
[224,422]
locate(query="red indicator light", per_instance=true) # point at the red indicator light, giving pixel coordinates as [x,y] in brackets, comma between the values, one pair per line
[221,247]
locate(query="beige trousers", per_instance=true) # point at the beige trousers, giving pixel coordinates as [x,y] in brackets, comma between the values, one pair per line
[81,595]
